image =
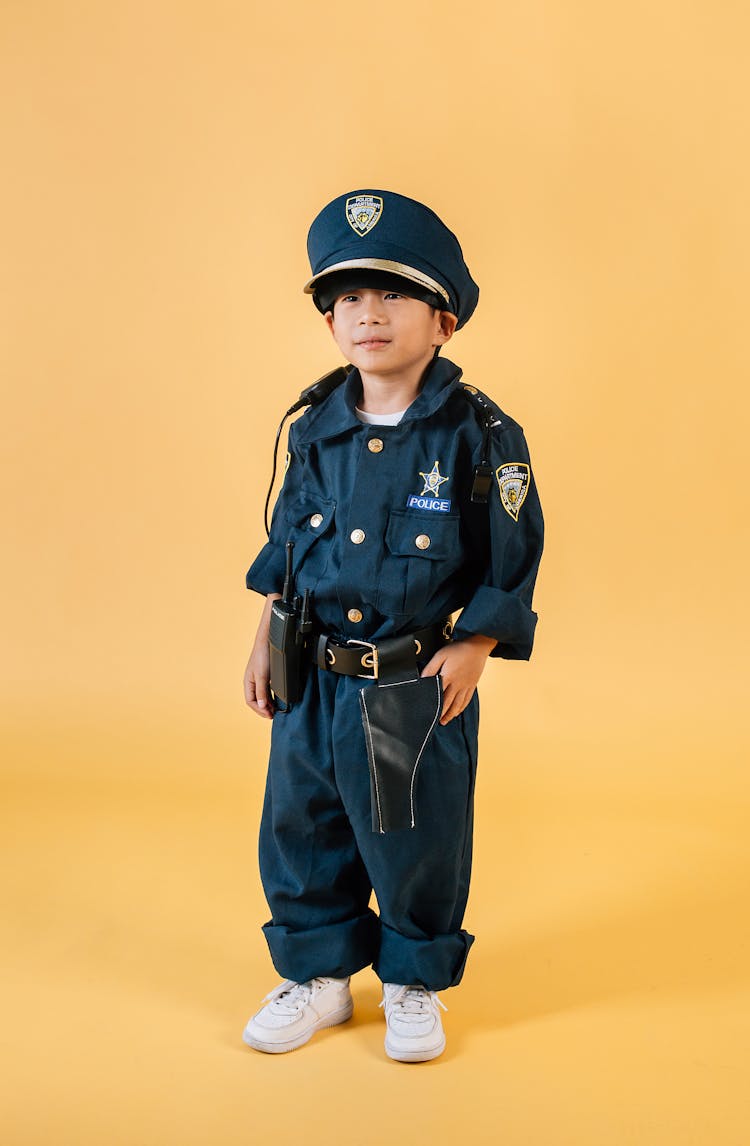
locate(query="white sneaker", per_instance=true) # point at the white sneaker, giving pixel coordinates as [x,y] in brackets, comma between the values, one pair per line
[295,1011]
[414,1030]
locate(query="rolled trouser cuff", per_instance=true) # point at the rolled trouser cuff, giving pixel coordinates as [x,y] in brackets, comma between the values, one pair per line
[335,950]
[435,963]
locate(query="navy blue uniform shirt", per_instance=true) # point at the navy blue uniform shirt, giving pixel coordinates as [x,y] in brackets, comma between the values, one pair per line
[384,527]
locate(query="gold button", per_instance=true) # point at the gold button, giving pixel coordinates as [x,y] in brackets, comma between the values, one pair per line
[375,445]
[316,519]
[357,536]
[422,542]
[354,615]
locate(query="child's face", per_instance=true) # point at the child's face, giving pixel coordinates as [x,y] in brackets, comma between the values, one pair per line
[387,334]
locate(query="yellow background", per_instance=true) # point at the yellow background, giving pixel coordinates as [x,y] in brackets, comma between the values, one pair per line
[161,164]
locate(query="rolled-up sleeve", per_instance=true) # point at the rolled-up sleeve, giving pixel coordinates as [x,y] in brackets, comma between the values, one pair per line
[266,574]
[500,606]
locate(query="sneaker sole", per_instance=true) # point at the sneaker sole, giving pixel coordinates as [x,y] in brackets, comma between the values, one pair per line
[415,1055]
[332,1020]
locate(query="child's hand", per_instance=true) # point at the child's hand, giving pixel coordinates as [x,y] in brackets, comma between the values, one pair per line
[460,664]
[256,682]
[257,673]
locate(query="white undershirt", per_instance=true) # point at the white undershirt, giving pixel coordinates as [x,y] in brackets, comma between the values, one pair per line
[379,419]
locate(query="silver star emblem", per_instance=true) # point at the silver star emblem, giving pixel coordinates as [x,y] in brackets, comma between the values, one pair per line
[433,480]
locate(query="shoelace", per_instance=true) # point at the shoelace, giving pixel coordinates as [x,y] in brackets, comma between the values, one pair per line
[290,997]
[412,1000]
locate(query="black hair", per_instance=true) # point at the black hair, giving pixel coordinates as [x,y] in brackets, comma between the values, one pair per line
[334,285]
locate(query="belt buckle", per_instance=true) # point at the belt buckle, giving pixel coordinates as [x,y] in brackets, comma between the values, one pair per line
[368,660]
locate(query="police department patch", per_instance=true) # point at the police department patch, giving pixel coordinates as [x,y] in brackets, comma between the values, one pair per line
[513,481]
[363,212]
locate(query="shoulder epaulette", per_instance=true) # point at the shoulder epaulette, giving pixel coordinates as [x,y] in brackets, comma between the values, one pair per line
[483,406]
[488,416]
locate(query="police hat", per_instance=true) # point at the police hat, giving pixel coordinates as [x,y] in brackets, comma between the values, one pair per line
[383,231]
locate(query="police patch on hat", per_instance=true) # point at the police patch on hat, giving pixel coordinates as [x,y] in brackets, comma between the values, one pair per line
[513,481]
[363,212]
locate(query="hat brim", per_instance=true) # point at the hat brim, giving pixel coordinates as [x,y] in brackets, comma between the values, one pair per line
[406,272]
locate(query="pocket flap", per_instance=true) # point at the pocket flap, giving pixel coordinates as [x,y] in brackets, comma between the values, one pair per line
[311,513]
[431,535]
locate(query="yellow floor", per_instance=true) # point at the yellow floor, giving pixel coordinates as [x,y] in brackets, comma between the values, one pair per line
[605,1000]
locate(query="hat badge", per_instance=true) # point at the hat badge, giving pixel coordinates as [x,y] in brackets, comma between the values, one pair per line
[363,212]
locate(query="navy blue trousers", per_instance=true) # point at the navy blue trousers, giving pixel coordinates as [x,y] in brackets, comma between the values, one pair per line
[320,859]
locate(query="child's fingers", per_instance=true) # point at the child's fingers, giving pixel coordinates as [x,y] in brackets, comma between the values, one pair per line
[455,701]
[262,710]
[433,667]
[257,696]
[250,689]
[449,693]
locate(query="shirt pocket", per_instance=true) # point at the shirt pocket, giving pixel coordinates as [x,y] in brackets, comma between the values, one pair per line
[310,520]
[421,550]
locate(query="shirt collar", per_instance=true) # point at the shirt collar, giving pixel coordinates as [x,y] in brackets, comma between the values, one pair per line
[336,414]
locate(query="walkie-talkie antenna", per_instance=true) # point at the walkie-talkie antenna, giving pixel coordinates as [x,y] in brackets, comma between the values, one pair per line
[305,621]
[287,595]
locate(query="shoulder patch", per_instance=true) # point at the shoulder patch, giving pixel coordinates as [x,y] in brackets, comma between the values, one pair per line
[513,482]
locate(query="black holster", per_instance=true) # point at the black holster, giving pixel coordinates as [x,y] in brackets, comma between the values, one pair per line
[399,715]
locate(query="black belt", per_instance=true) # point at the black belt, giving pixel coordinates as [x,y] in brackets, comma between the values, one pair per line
[369,659]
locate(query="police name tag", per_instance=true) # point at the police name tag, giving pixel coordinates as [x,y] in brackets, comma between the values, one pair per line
[435,504]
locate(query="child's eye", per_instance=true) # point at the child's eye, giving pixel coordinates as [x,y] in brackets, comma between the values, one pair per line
[394,294]
[349,298]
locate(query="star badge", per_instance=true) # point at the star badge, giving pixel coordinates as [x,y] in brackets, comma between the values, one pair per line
[433,480]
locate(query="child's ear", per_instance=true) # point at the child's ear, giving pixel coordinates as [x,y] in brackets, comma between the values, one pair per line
[447,326]
[329,320]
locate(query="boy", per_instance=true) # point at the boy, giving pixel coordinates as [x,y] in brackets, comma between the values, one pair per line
[408,496]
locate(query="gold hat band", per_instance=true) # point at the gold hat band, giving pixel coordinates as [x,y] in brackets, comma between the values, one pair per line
[409,273]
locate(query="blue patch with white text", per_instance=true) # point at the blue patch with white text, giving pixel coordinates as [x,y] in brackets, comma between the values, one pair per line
[434,504]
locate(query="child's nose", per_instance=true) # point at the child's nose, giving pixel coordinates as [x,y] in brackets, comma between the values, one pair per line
[372,308]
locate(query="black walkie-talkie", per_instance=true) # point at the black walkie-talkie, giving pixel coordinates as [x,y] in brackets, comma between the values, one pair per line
[286,636]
